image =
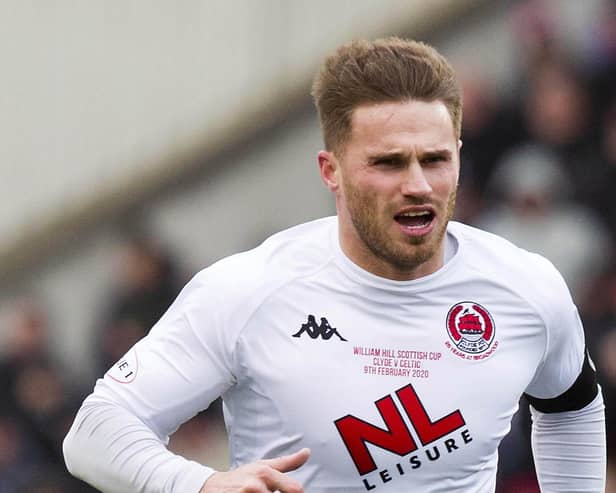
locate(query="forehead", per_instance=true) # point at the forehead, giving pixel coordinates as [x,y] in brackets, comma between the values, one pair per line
[401,124]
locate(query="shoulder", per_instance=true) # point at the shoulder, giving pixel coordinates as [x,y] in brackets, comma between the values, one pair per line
[222,297]
[282,257]
[530,275]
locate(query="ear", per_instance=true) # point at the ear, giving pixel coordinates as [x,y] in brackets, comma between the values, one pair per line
[329,168]
[459,147]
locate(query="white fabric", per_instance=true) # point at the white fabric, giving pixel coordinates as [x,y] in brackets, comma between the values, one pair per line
[115,452]
[231,333]
[569,449]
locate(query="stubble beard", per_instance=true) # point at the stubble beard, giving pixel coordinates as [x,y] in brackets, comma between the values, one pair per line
[375,236]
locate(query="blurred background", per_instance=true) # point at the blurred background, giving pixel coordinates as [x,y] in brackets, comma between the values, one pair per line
[143,140]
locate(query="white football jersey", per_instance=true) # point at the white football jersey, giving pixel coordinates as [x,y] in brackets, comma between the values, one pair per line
[395,386]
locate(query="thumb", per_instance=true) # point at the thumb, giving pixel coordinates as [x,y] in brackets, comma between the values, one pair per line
[288,463]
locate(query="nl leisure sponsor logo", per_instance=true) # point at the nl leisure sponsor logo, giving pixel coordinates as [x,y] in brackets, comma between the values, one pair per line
[438,438]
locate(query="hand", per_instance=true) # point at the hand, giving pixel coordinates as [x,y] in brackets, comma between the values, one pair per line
[263,476]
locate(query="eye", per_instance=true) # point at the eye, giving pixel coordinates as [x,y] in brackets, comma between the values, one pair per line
[387,161]
[434,159]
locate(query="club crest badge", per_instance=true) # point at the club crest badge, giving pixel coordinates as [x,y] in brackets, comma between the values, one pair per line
[471,328]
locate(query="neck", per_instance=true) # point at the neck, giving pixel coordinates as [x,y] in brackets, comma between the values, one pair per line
[376,263]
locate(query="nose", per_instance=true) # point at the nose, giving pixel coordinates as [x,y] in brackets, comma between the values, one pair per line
[414,181]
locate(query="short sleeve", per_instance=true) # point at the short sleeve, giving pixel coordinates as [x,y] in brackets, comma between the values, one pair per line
[564,352]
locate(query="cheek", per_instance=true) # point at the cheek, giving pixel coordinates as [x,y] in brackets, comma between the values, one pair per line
[377,192]
[379,184]
[362,198]
[445,181]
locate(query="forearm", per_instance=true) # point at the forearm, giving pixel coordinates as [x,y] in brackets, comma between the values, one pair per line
[116,452]
[569,449]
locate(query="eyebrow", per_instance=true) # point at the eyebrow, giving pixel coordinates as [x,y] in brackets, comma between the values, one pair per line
[387,155]
[440,153]
[446,153]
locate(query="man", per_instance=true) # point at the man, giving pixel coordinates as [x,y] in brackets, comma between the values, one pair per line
[439,328]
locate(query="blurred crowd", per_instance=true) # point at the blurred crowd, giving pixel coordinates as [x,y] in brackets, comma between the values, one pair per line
[538,167]
[40,400]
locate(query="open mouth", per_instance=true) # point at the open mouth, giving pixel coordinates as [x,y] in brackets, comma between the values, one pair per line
[415,220]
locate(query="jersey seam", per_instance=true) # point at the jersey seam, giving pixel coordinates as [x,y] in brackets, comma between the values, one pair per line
[536,309]
[258,305]
[271,293]
[220,365]
[463,238]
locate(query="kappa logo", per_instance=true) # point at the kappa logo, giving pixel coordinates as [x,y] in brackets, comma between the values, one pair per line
[314,330]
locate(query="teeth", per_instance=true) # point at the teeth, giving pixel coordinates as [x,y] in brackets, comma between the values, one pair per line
[415,214]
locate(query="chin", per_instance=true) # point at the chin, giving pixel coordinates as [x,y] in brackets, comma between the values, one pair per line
[420,250]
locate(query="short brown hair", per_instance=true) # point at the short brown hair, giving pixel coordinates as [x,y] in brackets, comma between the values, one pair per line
[385,70]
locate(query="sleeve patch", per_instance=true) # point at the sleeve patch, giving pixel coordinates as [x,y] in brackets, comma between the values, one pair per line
[125,370]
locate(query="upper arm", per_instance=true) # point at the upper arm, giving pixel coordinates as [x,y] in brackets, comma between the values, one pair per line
[565,379]
[183,364]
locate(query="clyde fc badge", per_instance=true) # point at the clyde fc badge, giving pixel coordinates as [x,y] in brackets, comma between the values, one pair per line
[471,330]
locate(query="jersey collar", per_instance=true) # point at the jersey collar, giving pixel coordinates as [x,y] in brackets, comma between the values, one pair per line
[358,274]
